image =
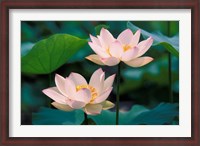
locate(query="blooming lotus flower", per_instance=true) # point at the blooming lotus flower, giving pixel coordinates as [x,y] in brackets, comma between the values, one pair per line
[74,92]
[127,48]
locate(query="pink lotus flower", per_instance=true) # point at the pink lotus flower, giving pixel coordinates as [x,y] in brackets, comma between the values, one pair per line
[74,92]
[127,48]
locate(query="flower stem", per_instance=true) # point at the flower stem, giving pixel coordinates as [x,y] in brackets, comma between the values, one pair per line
[170,68]
[118,94]
[86,119]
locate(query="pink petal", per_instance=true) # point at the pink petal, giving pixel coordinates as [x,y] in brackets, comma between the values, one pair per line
[111,61]
[54,94]
[144,46]
[138,62]
[95,58]
[60,83]
[103,96]
[102,43]
[93,109]
[70,88]
[95,40]
[77,79]
[135,38]
[99,87]
[109,82]
[62,107]
[130,54]
[83,95]
[97,80]
[76,104]
[125,37]
[116,49]
[107,38]
[98,50]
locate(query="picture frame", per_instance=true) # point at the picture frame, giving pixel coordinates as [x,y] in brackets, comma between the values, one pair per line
[89,4]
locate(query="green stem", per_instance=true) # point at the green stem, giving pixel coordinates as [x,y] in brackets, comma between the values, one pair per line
[86,119]
[118,95]
[170,69]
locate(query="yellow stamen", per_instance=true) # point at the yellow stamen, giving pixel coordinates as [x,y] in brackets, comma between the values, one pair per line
[108,51]
[126,47]
[92,90]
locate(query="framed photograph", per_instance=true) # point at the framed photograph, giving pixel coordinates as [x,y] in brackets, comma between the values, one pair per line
[103,72]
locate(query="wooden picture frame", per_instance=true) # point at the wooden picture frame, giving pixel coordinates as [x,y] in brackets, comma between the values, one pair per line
[6,5]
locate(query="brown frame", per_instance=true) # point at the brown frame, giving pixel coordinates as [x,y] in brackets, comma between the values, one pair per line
[103,4]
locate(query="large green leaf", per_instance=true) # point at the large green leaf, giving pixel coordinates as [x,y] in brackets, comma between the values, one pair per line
[49,54]
[47,116]
[162,114]
[170,43]
[109,118]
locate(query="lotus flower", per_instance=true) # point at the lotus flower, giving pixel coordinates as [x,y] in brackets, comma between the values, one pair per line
[127,48]
[74,92]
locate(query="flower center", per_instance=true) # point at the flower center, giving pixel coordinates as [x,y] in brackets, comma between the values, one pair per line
[108,51]
[92,90]
[126,47]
